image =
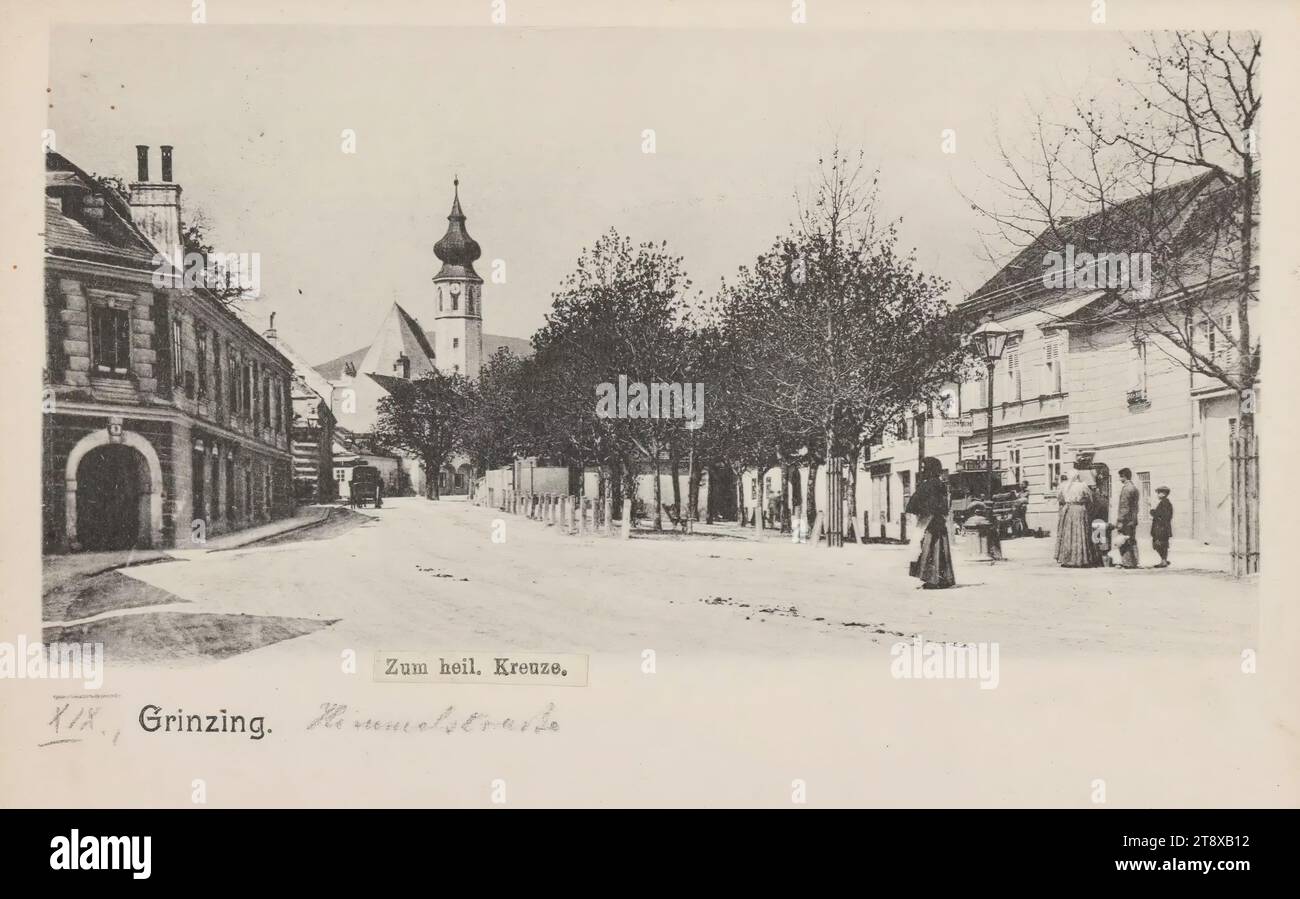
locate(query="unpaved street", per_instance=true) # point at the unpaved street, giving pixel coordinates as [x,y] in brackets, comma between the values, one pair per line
[423,575]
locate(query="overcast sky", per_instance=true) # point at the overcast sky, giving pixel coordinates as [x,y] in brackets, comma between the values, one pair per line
[544,128]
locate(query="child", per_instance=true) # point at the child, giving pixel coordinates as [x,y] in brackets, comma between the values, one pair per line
[1101,537]
[1162,520]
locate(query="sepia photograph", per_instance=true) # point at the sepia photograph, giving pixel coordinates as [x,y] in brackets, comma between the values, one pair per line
[778,405]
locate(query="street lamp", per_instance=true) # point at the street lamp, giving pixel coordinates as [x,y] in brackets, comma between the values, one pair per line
[988,341]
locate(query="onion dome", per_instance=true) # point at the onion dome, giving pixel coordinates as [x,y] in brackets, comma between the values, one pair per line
[457,250]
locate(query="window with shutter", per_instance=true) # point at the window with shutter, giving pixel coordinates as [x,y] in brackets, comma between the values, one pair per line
[1225,339]
[1053,363]
[1013,374]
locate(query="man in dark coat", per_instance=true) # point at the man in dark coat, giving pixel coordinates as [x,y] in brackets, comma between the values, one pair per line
[1126,520]
[1162,525]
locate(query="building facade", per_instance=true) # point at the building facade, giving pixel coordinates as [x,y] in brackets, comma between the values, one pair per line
[1080,382]
[167,418]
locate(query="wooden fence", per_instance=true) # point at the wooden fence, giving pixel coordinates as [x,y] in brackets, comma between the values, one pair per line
[578,515]
[1245,504]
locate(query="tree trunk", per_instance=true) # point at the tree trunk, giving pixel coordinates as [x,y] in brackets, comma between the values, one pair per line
[811,492]
[677,487]
[834,495]
[693,479]
[603,486]
[659,519]
[796,486]
[628,486]
[1245,471]
[789,482]
[851,527]
[739,474]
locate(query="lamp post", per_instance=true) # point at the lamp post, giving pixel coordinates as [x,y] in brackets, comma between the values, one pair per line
[989,340]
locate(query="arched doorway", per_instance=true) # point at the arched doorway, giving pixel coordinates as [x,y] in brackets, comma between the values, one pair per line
[110,477]
[113,488]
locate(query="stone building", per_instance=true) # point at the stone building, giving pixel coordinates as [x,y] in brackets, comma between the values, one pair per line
[167,418]
[313,430]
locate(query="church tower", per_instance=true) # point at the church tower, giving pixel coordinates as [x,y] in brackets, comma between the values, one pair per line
[458,298]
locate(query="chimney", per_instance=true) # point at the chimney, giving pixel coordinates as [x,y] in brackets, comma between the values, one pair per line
[156,206]
[269,333]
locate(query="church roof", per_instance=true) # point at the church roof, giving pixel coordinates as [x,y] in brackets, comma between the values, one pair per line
[398,337]
[334,368]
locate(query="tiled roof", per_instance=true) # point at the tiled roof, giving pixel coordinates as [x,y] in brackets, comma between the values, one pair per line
[1099,232]
[68,237]
[115,238]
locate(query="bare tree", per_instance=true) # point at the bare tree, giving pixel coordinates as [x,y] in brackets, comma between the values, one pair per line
[1171,173]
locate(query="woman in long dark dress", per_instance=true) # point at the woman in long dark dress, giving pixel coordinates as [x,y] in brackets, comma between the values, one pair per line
[930,506]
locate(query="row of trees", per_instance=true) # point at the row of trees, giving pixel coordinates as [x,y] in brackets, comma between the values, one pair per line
[832,334]
[805,356]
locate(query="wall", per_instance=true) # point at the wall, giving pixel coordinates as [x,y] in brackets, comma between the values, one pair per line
[1153,437]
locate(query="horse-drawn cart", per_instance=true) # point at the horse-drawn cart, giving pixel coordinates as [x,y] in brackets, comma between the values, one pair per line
[365,487]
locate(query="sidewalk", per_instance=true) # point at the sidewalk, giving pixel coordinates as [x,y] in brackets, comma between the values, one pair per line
[304,517]
[1184,553]
[57,571]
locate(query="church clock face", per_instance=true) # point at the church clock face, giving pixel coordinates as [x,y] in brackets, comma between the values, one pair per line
[455,289]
